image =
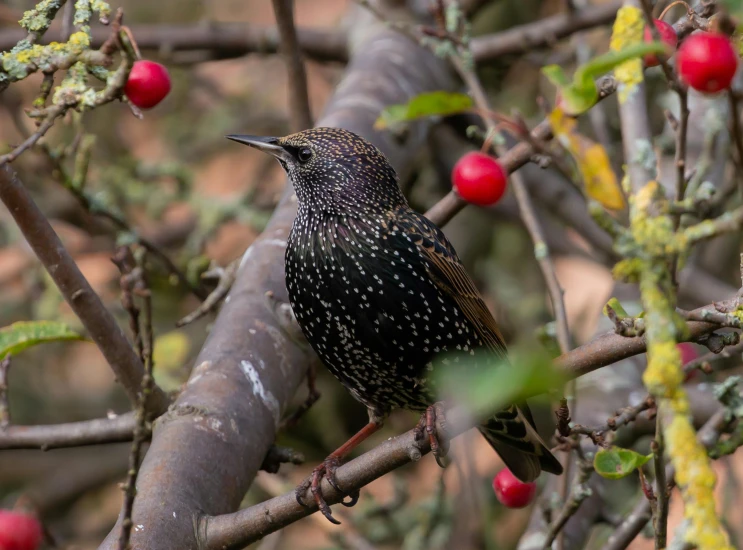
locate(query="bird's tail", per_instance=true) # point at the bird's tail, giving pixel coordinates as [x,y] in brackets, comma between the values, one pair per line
[512,434]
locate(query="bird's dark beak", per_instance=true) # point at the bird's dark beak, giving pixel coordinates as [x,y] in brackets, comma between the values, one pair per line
[268,145]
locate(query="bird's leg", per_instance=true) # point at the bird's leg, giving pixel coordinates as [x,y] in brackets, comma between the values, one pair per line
[329,466]
[438,440]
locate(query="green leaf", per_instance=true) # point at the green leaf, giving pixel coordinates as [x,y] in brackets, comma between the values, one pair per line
[580,94]
[489,384]
[24,334]
[424,105]
[614,304]
[617,463]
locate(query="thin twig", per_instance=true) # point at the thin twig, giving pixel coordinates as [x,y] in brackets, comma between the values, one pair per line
[124,261]
[226,277]
[661,491]
[299,102]
[53,113]
[621,418]
[313,394]
[4,405]
[579,493]
[736,130]
[141,432]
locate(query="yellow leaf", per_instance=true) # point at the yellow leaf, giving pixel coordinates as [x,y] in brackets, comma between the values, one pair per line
[170,353]
[593,162]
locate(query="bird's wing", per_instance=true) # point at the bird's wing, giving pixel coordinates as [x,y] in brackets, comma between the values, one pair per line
[447,271]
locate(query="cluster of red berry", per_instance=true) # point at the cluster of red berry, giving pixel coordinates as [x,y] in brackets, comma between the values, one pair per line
[706,61]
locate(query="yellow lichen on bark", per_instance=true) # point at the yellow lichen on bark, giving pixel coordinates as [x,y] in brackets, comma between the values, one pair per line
[654,242]
[697,481]
[628,29]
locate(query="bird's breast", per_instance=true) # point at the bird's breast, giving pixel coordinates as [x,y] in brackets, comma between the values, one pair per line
[366,303]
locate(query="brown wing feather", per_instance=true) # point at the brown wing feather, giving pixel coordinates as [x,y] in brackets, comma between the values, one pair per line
[519,445]
[447,271]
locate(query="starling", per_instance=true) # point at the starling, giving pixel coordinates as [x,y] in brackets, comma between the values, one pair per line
[379,292]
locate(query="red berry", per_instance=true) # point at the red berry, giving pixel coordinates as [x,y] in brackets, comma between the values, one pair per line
[688,353]
[512,492]
[479,179]
[19,531]
[707,62]
[667,35]
[148,84]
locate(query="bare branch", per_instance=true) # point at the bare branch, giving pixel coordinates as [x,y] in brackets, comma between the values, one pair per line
[299,101]
[74,434]
[543,33]
[4,407]
[223,40]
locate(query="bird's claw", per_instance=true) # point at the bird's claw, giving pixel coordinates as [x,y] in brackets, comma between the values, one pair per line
[325,470]
[427,427]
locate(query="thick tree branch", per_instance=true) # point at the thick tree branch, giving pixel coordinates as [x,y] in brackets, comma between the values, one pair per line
[76,290]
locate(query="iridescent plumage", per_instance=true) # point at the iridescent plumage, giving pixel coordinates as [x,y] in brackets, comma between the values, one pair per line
[379,291]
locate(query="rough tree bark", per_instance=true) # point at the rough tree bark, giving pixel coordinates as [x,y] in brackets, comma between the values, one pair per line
[206,450]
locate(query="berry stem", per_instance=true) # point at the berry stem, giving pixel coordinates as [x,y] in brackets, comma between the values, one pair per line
[676,2]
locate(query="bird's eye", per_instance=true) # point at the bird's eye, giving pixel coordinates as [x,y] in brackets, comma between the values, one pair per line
[304,154]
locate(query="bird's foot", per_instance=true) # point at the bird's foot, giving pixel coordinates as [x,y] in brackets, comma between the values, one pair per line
[438,440]
[325,470]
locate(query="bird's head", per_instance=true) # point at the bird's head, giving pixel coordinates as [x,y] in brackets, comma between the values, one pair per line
[333,170]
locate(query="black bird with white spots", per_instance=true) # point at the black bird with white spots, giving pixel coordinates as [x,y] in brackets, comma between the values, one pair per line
[379,292]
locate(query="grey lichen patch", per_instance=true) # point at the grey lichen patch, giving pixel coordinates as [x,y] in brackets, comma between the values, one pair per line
[84,10]
[38,19]
[645,155]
